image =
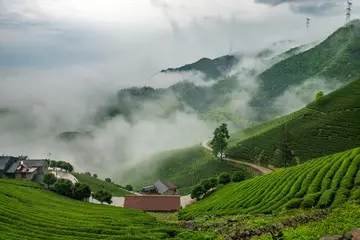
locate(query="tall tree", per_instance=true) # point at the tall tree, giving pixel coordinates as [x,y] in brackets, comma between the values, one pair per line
[80,191]
[103,196]
[220,140]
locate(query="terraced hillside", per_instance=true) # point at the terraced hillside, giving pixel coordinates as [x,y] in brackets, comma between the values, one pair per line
[29,212]
[184,167]
[334,58]
[97,184]
[321,128]
[323,182]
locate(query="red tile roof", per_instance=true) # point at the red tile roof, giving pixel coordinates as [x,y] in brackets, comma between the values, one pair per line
[153,203]
[171,185]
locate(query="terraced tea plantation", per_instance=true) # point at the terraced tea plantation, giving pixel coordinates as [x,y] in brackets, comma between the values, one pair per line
[323,182]
[184,167]
[29,212]
[322,128]
[97,184]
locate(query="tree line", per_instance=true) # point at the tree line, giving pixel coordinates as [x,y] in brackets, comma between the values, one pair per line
[61,164]
[78,191]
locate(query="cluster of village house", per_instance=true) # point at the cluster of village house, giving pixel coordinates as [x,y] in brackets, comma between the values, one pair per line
[160,197]
[32,169]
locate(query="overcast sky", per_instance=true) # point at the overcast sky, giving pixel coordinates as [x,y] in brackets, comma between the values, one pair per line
[161,33]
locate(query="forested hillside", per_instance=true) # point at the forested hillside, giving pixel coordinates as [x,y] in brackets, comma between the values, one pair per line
[336,58]
[327,126]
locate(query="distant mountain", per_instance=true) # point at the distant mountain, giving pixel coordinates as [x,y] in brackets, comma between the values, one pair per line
[211,68]
[336,58]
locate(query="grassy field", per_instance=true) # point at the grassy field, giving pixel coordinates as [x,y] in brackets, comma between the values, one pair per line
[29,212]
[323,182]
[184,167]
[322,128]
[97,184]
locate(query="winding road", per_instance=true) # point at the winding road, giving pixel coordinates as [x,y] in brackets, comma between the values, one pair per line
[259,168]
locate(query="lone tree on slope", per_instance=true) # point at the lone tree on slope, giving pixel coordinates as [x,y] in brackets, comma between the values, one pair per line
[49,179]
[319,96]
[103,196]
[220,140]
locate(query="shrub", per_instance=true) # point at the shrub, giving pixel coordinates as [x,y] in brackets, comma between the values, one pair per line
[340,197]
[214,182]
[95,175]
[129,187]
[356,194]
[108,180]
[293,203]
[197,192]
[49,179]
[206,183]
[81,191]
[63,187]
[310,200]
[224,178]
[238,176]
[326,198]
[103,196]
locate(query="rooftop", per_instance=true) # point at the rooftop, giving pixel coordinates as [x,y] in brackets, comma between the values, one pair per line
[153,203]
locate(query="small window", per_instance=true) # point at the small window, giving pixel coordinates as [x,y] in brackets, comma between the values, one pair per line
[23,175]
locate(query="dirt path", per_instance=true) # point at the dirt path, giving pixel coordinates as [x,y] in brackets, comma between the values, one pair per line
[259,168]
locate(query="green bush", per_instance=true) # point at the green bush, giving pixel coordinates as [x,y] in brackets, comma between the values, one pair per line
[310,200]
[293,203]
[326,198]
[63,187]
[238,176]
[197,192]
[206,183]
[356,194]
[341,197]
[224,178]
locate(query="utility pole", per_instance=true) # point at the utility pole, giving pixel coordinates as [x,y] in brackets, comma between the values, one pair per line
[348,10]
[307,22]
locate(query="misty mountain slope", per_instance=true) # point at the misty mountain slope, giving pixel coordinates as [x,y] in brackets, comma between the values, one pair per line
[336,58]
[184,167]
[322,182]
[30,212]
[97,184]
[321,128]
[211,68]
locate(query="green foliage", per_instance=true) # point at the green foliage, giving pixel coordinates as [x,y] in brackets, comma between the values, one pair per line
[129,187]
[206,183]
[224,178]
[319,96]
[320,129]
[97,184]
[219,142]
[108,180]
[103,196]
[339,221]
[184,167]
[214,182]
[80,191]
[23,157]
[63,187]
[62,164]
[306,185]
[95,175]
[238,176]
[49,179]
[27,211]
[197,192]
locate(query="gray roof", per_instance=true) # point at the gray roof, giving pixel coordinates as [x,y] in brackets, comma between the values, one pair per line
[161,187]
[13,167]
[35,162]
[149,188]
[3,161]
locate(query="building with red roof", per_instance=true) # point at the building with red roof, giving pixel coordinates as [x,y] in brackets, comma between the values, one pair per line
[153,203]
